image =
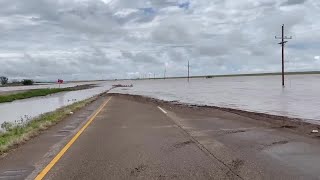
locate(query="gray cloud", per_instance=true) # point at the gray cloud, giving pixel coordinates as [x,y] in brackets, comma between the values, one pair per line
[91,39]
[293,2]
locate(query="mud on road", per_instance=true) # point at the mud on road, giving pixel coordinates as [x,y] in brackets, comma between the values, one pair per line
[251,145]
[299,126]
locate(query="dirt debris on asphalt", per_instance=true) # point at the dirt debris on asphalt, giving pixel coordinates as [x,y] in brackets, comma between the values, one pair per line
[300,126]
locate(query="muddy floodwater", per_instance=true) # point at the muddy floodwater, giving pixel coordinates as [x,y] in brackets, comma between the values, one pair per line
[32,107]
[299,99]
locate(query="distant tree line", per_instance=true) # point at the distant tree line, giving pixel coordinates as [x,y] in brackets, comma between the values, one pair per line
[4,81]
[27,82]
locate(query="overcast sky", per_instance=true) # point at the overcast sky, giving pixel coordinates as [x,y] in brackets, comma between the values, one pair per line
[103,39]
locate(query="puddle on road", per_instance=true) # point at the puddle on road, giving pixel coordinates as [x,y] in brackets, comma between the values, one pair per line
[32,107]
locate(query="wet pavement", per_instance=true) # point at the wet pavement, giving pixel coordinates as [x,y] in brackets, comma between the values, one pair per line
[131,140]
[251,148]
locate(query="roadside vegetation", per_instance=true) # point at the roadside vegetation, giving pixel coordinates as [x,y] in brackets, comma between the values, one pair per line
[27,82]
[3,80]
[31,93]
[39,92]
[17,133]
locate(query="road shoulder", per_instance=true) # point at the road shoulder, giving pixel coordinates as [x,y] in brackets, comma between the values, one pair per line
[30,158]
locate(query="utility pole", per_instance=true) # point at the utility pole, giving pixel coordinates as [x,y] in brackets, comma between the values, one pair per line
[283,42]
[188,70]
[154,75]
[165,71]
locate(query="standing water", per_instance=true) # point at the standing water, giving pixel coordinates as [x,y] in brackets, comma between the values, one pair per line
[299,99]
[32,107]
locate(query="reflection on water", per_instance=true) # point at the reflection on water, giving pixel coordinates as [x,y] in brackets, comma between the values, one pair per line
[32,107]
[300,98]
[61,99]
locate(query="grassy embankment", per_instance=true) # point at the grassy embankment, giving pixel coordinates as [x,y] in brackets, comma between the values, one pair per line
[18,134]
[30,93]
[38,92]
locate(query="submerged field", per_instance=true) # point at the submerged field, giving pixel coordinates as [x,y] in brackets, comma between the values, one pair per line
[32,107]
[263,94]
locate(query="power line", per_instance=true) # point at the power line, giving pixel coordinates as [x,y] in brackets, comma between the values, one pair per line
[283,42]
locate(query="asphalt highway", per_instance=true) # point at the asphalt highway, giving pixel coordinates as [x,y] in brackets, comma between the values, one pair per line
[131,140]
[124,138]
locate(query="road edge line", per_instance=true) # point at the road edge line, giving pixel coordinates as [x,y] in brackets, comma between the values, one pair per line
[165,112]
[44,172]
[198,144]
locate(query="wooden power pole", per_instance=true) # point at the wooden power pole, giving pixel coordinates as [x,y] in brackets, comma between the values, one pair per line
[283,42]
[188,70]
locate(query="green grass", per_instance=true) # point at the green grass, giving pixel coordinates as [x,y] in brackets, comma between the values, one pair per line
[18,134]
[31,93]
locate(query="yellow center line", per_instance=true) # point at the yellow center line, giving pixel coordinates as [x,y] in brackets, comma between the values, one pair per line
[66,147]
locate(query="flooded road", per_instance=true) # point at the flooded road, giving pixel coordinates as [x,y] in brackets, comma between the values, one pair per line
[300,98]
[32,107]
